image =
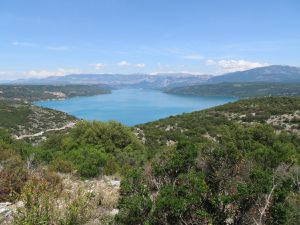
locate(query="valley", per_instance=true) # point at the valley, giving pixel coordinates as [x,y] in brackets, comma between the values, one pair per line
[138,112]
[203,160]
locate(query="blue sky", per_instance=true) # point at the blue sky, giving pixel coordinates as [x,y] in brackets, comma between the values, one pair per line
[57,37]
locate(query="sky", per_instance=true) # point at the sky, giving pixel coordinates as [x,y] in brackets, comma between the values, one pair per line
[59,37]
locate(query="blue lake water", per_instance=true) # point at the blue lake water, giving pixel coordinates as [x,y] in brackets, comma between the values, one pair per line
[132,106]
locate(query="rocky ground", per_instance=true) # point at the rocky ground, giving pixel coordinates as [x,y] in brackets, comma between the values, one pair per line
[104,191]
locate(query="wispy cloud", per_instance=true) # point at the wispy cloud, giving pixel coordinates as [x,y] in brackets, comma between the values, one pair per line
[139,65]
[24,44]
[47,73]
[36,45]
[12,75]
[125,63]
[193,57]
[183,72]
[97,66]
[234,65]
[58,48]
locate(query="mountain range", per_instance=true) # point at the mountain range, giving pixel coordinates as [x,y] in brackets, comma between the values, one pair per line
[157,81]
[274,73]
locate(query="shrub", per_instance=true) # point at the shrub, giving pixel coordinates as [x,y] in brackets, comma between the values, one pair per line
[62,166]
[13,176]
[43,206]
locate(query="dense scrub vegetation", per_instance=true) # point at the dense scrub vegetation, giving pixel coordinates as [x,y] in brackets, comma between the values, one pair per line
[40,195]
[93,148]
[30,174]
[250,89]
[224,165]
[199,125]
[248,174]
[44,92]
[231,164]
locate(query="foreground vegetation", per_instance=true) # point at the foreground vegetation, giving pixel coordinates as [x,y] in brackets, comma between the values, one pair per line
[232,164]
[242,90]
[226,165]
[45,92]
[32,177]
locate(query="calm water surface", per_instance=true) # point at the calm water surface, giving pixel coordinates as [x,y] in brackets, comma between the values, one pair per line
[132,106]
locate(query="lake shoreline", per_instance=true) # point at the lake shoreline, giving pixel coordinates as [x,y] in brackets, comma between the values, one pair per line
[133,106]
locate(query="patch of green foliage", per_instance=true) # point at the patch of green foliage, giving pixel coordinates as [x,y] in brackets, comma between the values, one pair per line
[93,148]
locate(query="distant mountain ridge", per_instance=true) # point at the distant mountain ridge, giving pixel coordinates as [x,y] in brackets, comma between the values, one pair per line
[122,81]
[275,73]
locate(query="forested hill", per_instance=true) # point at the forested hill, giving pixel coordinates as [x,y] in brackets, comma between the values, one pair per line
[45,92]
[281,113]
[240,89]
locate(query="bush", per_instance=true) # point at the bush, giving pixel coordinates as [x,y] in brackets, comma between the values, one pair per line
[135,203]
[87,147]
[62,166]
[88,161]
[13,177]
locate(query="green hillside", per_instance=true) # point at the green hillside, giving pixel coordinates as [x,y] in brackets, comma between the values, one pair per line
[45,92]
[240,89]
[232,164]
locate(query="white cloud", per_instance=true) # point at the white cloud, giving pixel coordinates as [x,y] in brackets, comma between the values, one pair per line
[98,66]
[196,73]
[24,44]
[211,62]
[234,65]
[47,73]
[123,63]
[139,65]
[193,57]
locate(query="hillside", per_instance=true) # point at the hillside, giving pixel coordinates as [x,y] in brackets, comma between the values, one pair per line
[275,73]
[242,90]
[45,92]
[283,113]
[232,164]
[26,121]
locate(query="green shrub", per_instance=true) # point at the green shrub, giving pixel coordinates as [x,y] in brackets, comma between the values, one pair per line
[62,166]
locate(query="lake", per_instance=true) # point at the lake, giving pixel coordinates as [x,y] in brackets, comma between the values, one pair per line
[133,106]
